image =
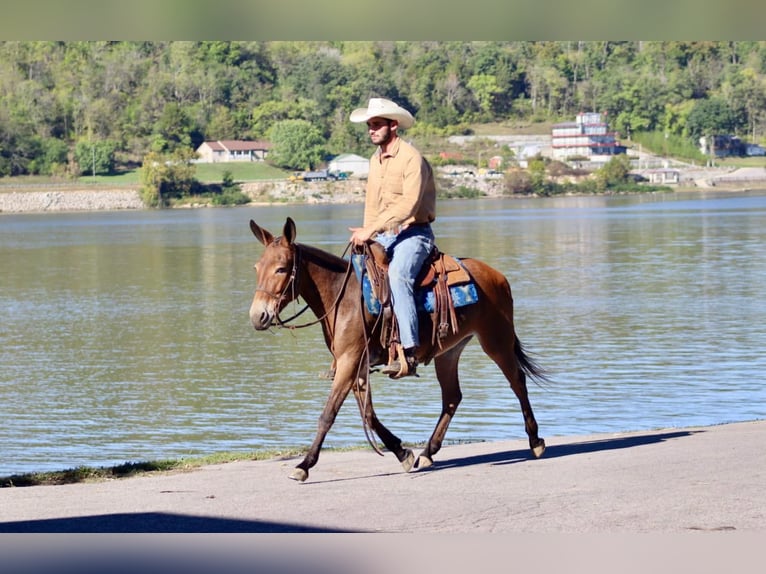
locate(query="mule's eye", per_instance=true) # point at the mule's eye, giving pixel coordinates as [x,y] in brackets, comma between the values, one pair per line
[281,270]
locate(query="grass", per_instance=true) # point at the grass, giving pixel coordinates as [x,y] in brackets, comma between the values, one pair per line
[205,173]
[130,469]
[741,162]
[517,128]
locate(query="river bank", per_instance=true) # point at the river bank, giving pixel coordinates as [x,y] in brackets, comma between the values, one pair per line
[105,199]
[90,198]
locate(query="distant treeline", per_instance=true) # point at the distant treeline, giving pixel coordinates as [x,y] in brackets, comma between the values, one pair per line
[72,107]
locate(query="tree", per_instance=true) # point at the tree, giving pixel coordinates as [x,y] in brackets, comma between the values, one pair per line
[269,113]
[52,159]
[95,157]
[708,118]
[296,144]
[484,88]
[174,129]
[164,176]
[614,172]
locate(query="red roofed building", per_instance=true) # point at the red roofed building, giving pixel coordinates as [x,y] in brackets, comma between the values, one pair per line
[232,150]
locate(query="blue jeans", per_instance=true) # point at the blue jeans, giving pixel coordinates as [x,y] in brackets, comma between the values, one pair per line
[407,252]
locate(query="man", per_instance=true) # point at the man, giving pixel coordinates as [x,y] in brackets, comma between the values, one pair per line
[400,204]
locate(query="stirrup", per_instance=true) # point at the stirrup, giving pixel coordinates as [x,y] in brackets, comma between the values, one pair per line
[398,369]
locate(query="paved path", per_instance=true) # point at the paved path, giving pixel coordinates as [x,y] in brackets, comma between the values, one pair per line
[708,479]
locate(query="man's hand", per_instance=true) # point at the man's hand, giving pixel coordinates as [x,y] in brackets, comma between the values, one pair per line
[360,235]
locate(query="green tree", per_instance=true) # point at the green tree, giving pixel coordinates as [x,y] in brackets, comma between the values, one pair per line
[708,118]
[52,159]
[614,172]
[746,91]
[95,157]
[175,129]
[484,88]
[269,113]
[537,175]
[296,144]
[165,176]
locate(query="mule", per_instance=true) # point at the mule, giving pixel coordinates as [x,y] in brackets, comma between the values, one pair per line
[288,270]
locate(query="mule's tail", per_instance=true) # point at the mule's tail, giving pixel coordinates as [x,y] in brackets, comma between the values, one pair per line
[530,367]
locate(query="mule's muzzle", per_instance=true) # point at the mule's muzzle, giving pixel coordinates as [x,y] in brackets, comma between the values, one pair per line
[261,316]
[261,322]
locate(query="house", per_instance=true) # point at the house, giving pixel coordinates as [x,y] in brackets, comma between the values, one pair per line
[723,146]
[356,165]
[232,150]
[728,145]
[587,136]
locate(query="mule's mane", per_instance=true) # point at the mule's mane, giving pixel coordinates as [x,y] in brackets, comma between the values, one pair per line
[322,258]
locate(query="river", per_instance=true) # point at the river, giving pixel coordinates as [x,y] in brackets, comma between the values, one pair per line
[125,335]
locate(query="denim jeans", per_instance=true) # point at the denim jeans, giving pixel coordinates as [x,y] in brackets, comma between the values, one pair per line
[407,252]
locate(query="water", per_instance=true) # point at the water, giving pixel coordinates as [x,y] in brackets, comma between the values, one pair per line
[125,335]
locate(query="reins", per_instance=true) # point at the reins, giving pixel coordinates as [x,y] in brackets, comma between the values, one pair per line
[363,393]
[362,398]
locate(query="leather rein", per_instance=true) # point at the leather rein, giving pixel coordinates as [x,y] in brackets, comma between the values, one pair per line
[364,395]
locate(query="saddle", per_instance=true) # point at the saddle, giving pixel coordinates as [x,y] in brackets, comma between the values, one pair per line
[442,284]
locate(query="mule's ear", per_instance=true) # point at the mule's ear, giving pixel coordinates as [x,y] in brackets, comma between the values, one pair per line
[263,236]
[289,232]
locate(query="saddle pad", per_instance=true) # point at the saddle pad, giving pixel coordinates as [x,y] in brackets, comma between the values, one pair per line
[462,294]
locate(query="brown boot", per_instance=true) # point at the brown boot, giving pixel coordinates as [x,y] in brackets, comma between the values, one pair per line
[398,368]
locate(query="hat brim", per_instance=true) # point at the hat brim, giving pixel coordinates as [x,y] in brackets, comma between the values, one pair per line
[361,115]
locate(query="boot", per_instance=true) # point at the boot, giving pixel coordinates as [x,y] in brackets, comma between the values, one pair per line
[398,368]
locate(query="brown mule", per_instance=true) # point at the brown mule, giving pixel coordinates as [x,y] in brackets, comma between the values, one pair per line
[288,270]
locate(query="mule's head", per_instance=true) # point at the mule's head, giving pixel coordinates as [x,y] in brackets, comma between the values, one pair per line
[276,272]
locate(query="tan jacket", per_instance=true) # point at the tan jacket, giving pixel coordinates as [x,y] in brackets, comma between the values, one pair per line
[400,189]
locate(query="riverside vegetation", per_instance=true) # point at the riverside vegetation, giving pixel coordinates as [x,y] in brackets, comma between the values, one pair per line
[74,109]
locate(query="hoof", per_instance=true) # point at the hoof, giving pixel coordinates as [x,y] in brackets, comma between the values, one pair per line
[408,461]
[423,462]
[538,449]
[299,474]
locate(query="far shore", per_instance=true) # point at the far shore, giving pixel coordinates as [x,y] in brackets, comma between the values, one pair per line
[73,198]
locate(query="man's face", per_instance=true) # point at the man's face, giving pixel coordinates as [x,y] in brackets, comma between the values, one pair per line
[381,130]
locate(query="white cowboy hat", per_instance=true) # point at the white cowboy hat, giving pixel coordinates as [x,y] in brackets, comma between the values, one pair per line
[383,108]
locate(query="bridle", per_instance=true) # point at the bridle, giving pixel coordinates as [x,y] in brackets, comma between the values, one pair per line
[292,284]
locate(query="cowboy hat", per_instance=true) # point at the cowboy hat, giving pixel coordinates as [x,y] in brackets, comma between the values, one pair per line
[383,108]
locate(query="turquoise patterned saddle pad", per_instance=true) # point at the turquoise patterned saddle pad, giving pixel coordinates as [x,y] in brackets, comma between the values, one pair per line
[462,294]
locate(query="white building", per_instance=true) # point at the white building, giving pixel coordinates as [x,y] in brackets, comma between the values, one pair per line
[232,150]
[356,165]
[587,136]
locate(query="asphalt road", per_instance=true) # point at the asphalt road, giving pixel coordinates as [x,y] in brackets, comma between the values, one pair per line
[709,479]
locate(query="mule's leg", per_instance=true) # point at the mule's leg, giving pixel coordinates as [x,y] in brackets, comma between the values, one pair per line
[391,441]
[446,372]
[341,385]
[499,346]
